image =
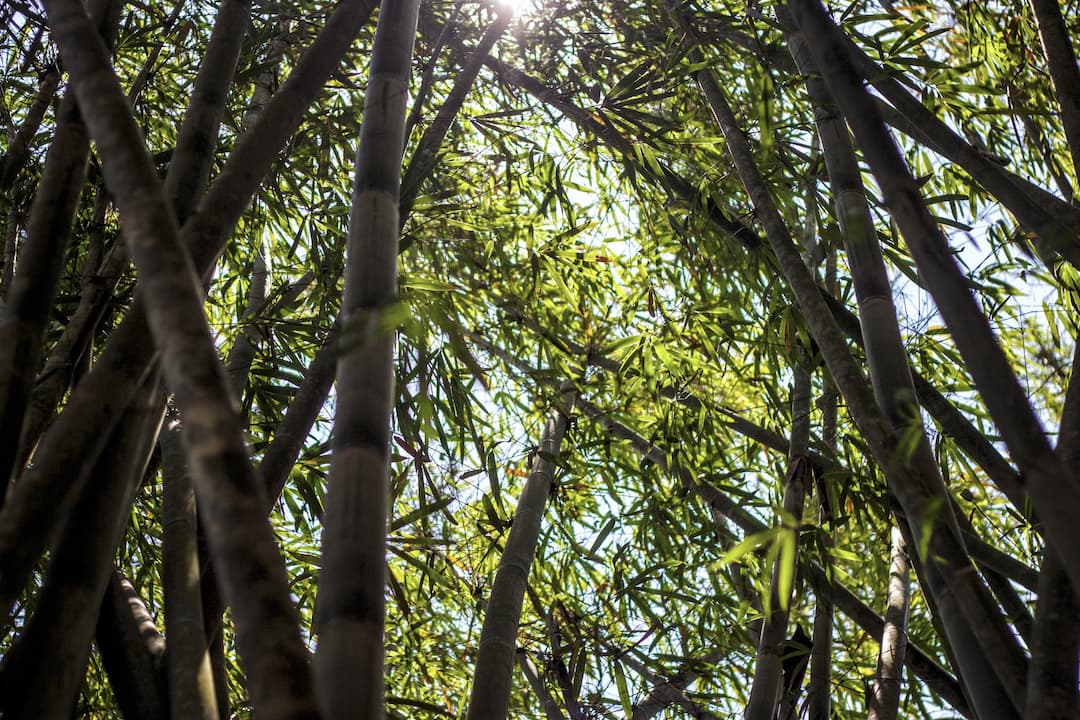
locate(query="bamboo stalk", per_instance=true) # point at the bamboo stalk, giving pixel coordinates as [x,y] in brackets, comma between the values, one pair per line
[131,652]
[426,154]
[766,690]
[547,701]
[960,597]
[43,497]
[351,599]
[1052,487]
[32,291]
[1055,643]
[493,674]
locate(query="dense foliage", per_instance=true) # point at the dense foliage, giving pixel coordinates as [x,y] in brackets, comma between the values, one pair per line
[578,253]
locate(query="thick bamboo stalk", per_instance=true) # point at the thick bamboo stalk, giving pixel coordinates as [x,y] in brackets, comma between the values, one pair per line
[351,599]
[242,541]
[493,674]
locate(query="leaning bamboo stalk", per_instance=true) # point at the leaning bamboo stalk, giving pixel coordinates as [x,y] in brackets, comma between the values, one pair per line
[765,692]
[351,599]
[189,168]
[43,497]
[1039,211]
[242,541]
[960,597]
[1054,491]
[671,690]
[18,149]
[427,150]
[191,683]
[43,671]
[547,700]
[493,674]
[1061,62]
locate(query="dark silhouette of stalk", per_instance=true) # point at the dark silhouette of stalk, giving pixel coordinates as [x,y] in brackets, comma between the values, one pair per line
[18,149]
[132,652]
[351,600]
[1055,643]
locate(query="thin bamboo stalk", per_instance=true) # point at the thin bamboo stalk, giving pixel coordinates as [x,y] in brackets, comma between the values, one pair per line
[547,700]
[426,154]
[493,674]
[765,692]
[191,682]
